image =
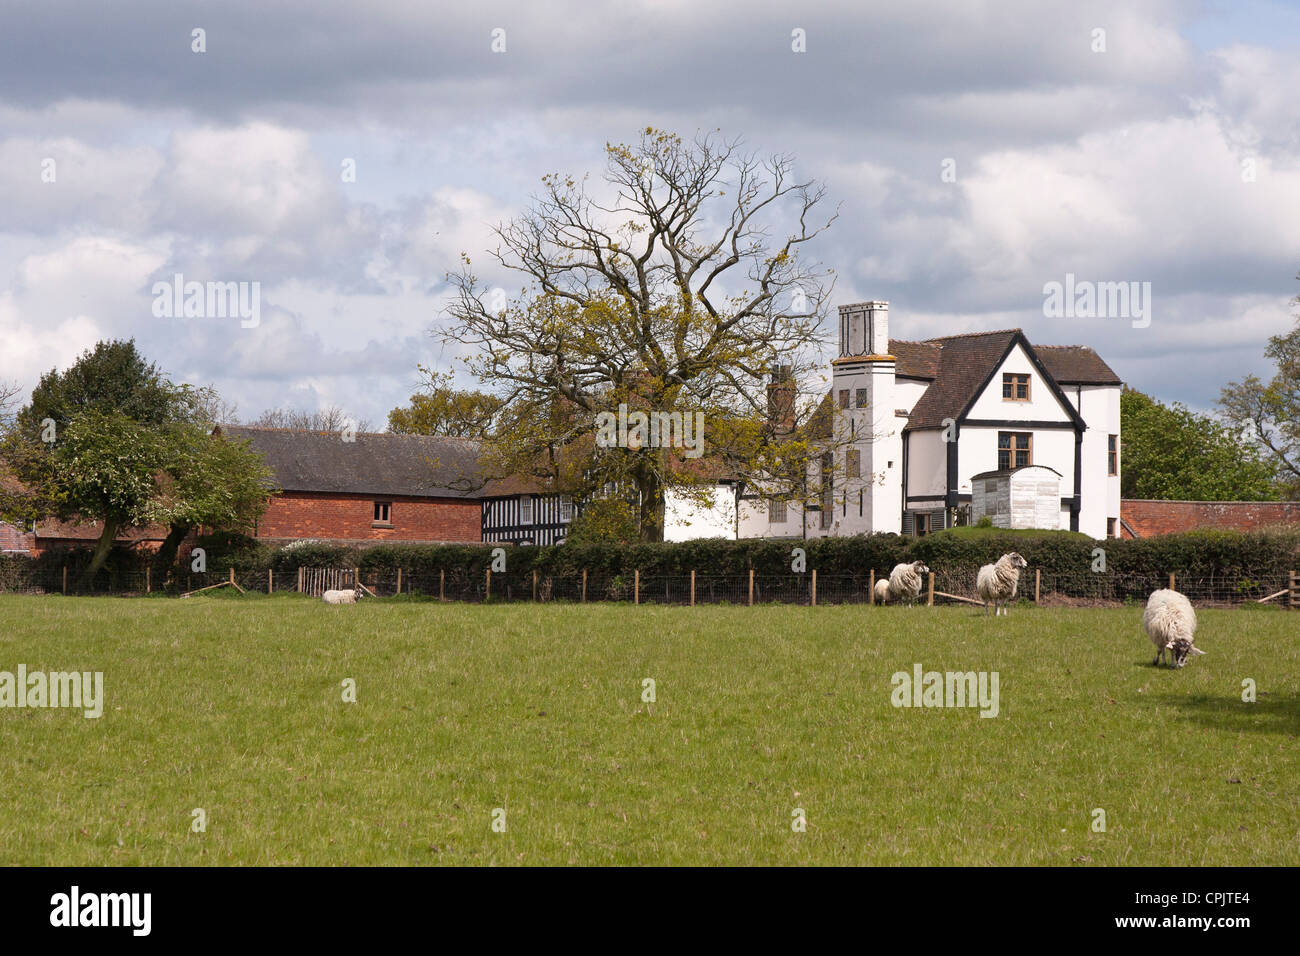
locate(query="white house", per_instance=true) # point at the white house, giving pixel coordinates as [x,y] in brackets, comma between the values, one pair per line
[917,424]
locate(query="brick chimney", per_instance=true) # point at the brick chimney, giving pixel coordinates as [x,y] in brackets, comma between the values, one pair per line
[780,400]
[864,329]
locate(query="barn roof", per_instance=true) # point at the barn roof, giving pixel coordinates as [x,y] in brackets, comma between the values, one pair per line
[372,464]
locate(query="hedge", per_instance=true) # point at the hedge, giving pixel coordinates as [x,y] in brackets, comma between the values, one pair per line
[1194,552]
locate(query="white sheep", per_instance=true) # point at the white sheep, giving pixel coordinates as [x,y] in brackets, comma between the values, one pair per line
[996,583]
[1170,622]
[882,591]
[905,581]
[349,596]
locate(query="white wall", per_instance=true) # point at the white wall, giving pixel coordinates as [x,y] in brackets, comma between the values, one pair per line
[927,464]
[977,451]
[1042,405]
[1099,492]
[686,520]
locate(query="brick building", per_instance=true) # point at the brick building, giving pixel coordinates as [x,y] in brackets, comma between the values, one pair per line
[376,487]
[1143,518]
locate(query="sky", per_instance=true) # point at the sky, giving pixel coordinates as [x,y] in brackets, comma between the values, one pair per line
[976,151]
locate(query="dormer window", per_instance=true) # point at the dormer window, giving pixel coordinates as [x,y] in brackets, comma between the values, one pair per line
[1015,387]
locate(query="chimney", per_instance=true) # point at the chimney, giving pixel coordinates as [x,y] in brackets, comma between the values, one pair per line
[780,400]
[864,329]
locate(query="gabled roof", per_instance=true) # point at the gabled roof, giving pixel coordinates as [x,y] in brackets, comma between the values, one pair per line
[959,368]
[372,464]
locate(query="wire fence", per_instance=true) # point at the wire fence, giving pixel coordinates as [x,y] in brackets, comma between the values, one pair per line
[1081,589]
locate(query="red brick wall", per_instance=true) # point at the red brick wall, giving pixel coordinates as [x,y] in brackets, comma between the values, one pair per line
[301,514]
[14,539]
[1150,518]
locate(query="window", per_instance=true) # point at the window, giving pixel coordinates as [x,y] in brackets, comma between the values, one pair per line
[1015,387]
[776,508]
[566,509]
[1110,527]
[1112,455]
[853,464]
[383,512]
[844,398]
[922,525]
[828,489]
[525,509]
[861,399]
[1014,450]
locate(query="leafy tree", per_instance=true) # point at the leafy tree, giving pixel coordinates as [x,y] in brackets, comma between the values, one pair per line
[1170,452]
[1270,411]
[604,521]
[442,410]
[678,289]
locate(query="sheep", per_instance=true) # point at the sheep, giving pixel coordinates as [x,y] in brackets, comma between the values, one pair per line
[996,583]
[1170,622]
[882,591]
[905,581]
[350,596]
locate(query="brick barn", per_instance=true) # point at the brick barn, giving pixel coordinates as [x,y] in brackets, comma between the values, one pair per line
[377,487]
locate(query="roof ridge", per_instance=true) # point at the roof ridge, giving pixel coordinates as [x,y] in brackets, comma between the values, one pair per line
[971,335]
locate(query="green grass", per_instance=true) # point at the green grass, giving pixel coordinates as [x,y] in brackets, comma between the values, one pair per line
[235,706]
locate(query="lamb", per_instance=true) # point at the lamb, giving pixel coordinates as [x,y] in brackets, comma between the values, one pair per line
[350,596]
[905,581]
[996,583]
[882,591]
[1170,622]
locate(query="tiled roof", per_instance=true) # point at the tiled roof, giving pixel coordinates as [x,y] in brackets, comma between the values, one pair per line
[403,465]
[1076,365]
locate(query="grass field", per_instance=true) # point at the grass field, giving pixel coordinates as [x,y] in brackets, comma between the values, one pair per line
[236,706]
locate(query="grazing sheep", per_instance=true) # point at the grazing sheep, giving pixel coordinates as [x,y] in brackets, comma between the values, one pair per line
[1170,622]
[350,596]
[882,591]
[996,583]
[905,581]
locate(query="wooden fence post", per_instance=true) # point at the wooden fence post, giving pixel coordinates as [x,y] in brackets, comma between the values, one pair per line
[1038,583]
[488,595]
[300,579]
[65,579]
[584,585]
[232,574]
[1171,581]
[534,584]
[442,578]
[751,587]
[399,580]
[148,585]
[929,600]
[814,587]
[1294,597]
[692,587]
[871,588]
[270,580]
[636,586]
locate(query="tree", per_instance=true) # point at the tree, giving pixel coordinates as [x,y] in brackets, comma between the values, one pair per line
[442,410]
[9,392]
[665,294]
[1170,452]
[604,521]
[1270,412]
[331,418]
[206,479]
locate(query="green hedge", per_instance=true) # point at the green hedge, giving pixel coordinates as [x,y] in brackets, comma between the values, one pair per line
[1195,552]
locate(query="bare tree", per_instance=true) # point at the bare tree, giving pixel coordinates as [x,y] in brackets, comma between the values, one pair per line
[667,293]
[328,419]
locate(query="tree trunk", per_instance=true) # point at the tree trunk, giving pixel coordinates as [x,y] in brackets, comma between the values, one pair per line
[651,512]
[165,559]
[111,526]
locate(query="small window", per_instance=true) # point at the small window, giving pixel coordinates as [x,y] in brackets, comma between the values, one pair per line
[1015,387]
[922,524]
[776,508]
[525,509]
[853,465]
[383,512]
[844,398]
[861,399]
[1112,455]
[1015,450]
[1110,527]
[566,509]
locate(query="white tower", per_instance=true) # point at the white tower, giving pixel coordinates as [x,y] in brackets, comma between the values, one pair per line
[868,440]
